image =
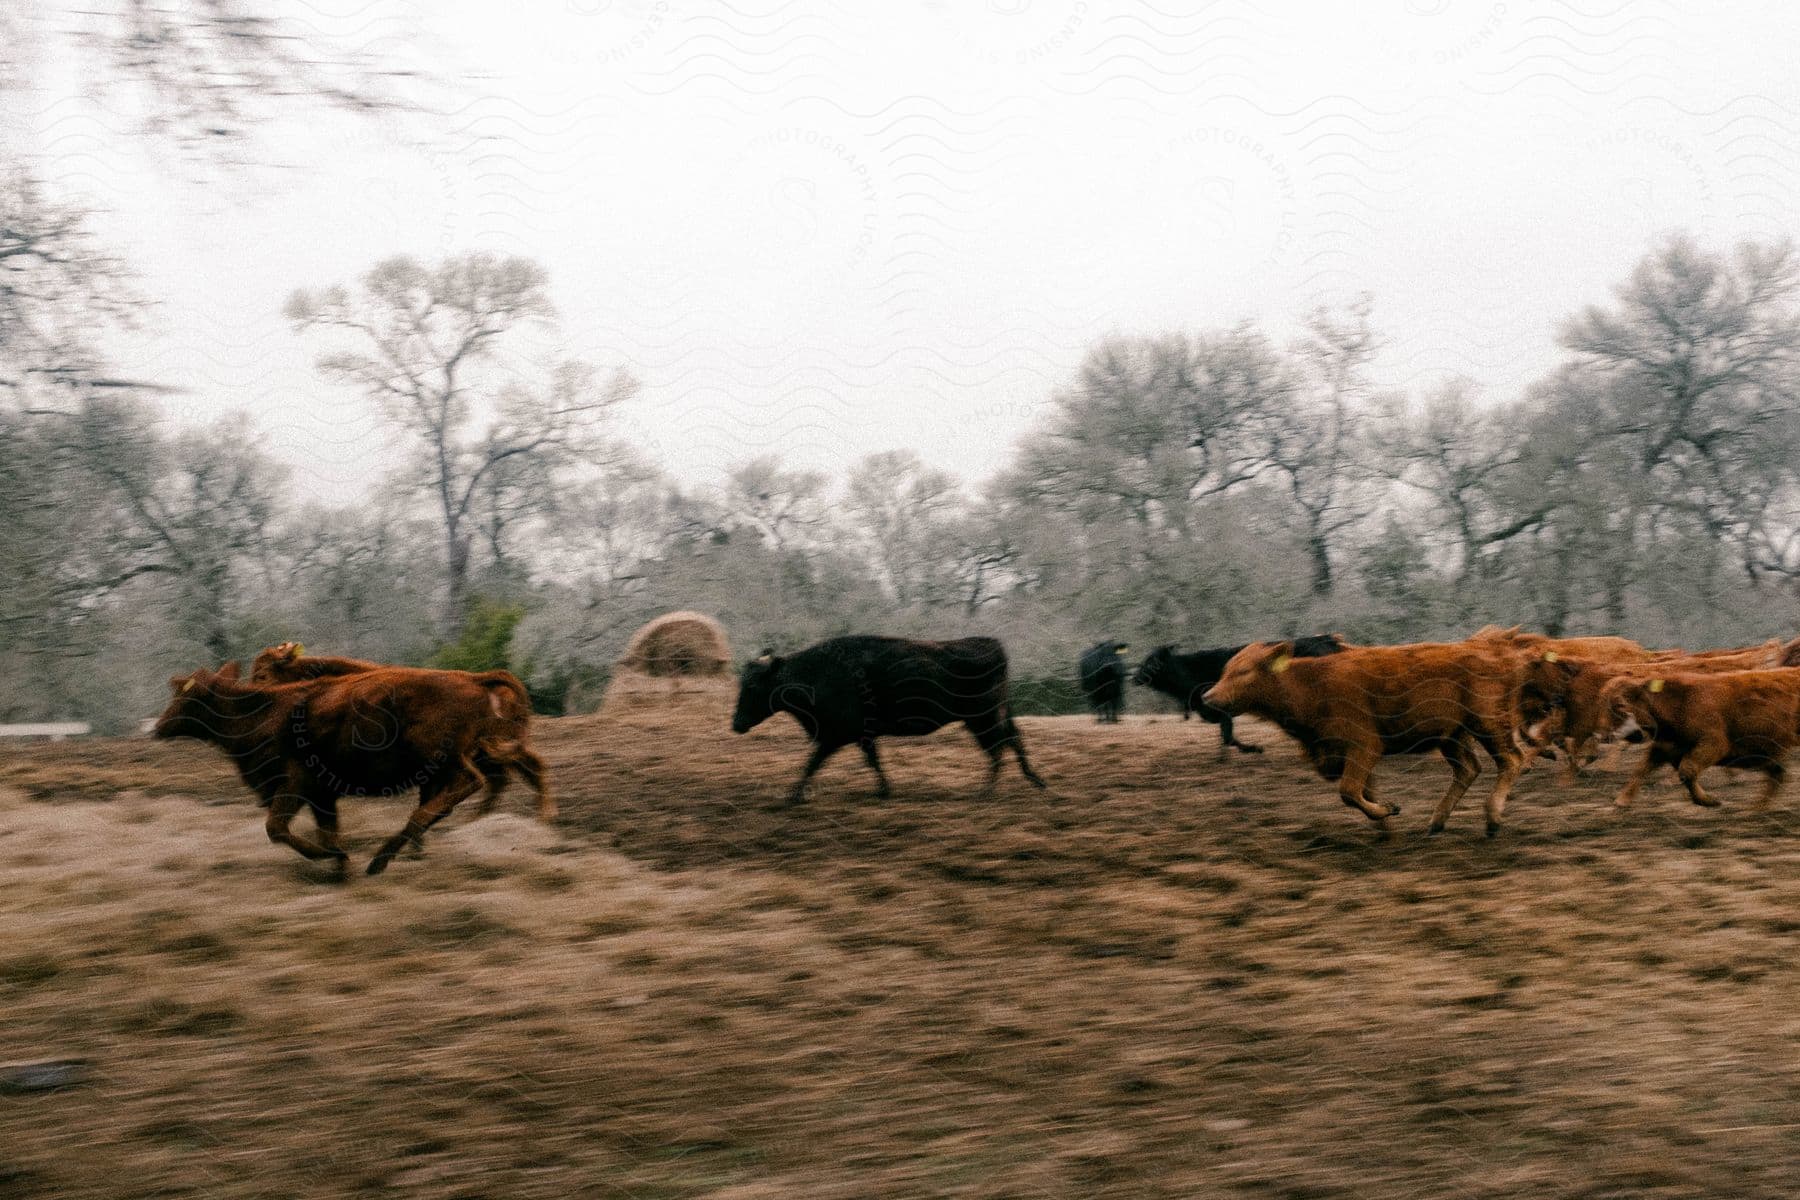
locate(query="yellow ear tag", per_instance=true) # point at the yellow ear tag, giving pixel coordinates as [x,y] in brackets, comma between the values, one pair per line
[186,684]
[1280,664]
[1551,656]
[1121,649]
[299,649]
[1656,685]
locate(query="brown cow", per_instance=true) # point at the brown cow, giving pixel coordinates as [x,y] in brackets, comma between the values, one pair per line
[1790,654]
[288,662]
[1561,698]
[1349,709]
[380,732]
[1594,649]
[1749,720]
[1768,654]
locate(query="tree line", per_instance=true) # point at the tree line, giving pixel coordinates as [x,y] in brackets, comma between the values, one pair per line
[1202,487]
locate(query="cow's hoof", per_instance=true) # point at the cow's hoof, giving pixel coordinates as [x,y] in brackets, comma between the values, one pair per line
[1433,829]
[1393,809]
[1708,802]
[1493,827]
[378,864]
[1248,749]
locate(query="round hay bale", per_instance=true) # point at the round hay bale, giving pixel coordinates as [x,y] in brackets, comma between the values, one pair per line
[679,645]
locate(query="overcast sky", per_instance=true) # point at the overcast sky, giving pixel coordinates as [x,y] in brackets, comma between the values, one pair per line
[826,234]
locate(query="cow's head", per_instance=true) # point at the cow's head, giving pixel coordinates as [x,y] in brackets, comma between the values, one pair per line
[1154,667]
[271,664]
[1629,706]
[1253,673]
[1545,691]
[759,691]
[193,709]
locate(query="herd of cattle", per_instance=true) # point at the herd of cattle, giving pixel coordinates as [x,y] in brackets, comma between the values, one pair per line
[306,730]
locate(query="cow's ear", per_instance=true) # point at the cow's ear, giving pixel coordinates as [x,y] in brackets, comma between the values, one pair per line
[1281,657]
[295,650]
[180,683]
[228,671]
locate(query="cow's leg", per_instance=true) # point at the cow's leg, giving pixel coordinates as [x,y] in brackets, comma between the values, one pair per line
[1230,738]
[495,775]
[1018,748]
[532,769]
[1353,786]
[325,816]
[436,799]
[1575,752]
[1775,775]
[1652,760]
[1691,765]
[282,808]
[821,751]
[1464,767]
[882,789]
[1507,759]
[994,737]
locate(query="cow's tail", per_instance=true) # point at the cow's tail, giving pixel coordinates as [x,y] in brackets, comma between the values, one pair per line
[507,697]
[515,755]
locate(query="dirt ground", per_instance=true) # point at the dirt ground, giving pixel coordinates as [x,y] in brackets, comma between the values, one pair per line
[1166,977]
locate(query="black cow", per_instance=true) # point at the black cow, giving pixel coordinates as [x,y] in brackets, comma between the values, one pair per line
[1185,676]
[1103,680]
[852,690]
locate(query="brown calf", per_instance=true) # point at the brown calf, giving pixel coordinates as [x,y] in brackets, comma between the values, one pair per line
[1561,699]
[1749,720]
[1594,649]
[1349,709]
[380,732]
[287,662]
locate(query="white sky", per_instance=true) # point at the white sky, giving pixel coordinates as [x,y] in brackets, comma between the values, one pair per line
[827,233]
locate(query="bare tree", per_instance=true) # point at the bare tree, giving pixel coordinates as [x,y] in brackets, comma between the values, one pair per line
[1154,426]
[423,342]
[903,513]
[785,509]
[1316,443]
[200,71]
[1698,359]
[58,290]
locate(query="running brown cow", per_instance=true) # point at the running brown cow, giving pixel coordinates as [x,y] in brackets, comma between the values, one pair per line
[381,732]
[1561,700]
[1749,720]
[288,662]
[1350,708]
[1594,649]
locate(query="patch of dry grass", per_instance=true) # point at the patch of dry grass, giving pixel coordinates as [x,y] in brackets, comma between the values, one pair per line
[1167,977]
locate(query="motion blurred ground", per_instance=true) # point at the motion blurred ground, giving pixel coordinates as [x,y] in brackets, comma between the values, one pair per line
[1169,977]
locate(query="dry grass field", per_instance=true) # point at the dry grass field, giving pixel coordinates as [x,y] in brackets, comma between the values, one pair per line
[1167,977]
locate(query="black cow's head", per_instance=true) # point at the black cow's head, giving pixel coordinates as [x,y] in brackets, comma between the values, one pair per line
[1155,666]
[759,692]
